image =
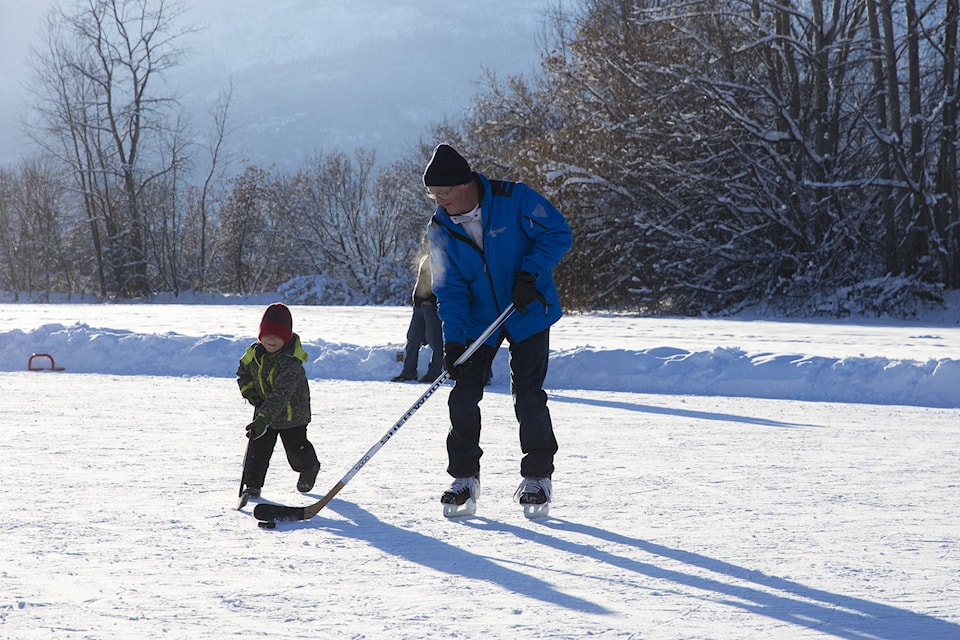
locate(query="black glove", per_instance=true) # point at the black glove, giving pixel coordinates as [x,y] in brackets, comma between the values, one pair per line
[524,290]
[451,353]
[258,427]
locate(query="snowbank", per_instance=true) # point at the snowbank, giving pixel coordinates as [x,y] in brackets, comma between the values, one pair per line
[721,371]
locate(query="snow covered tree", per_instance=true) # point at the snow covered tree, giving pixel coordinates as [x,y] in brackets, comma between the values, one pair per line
[339,231]
[946,207]
[714,154]
[360,223]
[916,73]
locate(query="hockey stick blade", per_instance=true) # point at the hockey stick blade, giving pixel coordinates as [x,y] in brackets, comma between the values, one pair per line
[281,513]
[278,513]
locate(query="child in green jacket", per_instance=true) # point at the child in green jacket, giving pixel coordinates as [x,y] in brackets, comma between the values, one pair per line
[272,378]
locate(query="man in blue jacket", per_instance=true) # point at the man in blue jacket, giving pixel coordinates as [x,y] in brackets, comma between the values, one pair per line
[493,242]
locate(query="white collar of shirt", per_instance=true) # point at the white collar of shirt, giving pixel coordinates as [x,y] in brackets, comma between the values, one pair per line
[472,216]
[472,224]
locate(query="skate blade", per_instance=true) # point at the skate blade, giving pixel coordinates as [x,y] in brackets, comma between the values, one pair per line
[468,508]
[533,511]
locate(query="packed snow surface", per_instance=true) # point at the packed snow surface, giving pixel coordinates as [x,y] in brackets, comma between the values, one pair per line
[722,479]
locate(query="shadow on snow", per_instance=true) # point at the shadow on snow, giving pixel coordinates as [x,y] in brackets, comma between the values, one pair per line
[681,413]
[440,556]
[747,589]
[777,598]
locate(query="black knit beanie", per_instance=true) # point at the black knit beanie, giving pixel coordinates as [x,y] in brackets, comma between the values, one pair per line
[277,321]
[446,168]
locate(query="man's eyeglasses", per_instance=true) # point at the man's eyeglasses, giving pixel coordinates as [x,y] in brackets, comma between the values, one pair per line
[440,195]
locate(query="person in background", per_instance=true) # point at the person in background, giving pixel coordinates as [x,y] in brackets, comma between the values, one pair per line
[271,377]
[493,242]
[424,328]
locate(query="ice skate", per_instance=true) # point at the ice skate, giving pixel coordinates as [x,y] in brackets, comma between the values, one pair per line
[533,494]
[461,498]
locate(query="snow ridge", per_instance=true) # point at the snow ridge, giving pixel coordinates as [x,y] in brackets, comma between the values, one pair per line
[722,371]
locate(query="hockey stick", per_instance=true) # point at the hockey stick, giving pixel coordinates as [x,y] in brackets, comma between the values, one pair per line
[241,498]
[274,512]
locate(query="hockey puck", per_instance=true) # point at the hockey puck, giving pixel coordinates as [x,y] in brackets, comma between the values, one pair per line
[267,525]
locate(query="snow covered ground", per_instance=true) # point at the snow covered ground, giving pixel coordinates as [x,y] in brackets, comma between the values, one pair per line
[721,479]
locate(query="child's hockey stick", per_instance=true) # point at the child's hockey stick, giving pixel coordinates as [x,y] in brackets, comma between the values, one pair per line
[241,495]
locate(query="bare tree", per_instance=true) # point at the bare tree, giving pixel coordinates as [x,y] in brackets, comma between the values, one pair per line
[11,278]
[219,114]
[35,252]
[257,240]
[98,112]
[178,214]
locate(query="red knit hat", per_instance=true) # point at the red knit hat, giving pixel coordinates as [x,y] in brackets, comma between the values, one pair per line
[277,321]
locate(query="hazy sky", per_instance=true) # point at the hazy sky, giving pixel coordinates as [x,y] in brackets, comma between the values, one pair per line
[19,26]
[312,75]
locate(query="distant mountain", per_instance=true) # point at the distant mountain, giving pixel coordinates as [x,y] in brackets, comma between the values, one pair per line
[317,75]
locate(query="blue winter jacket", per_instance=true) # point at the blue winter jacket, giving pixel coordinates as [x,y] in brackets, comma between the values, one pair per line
[522,231]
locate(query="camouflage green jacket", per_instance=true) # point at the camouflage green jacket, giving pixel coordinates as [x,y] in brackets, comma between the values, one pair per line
[276,383]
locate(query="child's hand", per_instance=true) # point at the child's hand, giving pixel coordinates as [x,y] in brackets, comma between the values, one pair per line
[258,427]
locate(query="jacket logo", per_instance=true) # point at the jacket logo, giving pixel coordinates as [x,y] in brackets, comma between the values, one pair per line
[493,233]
